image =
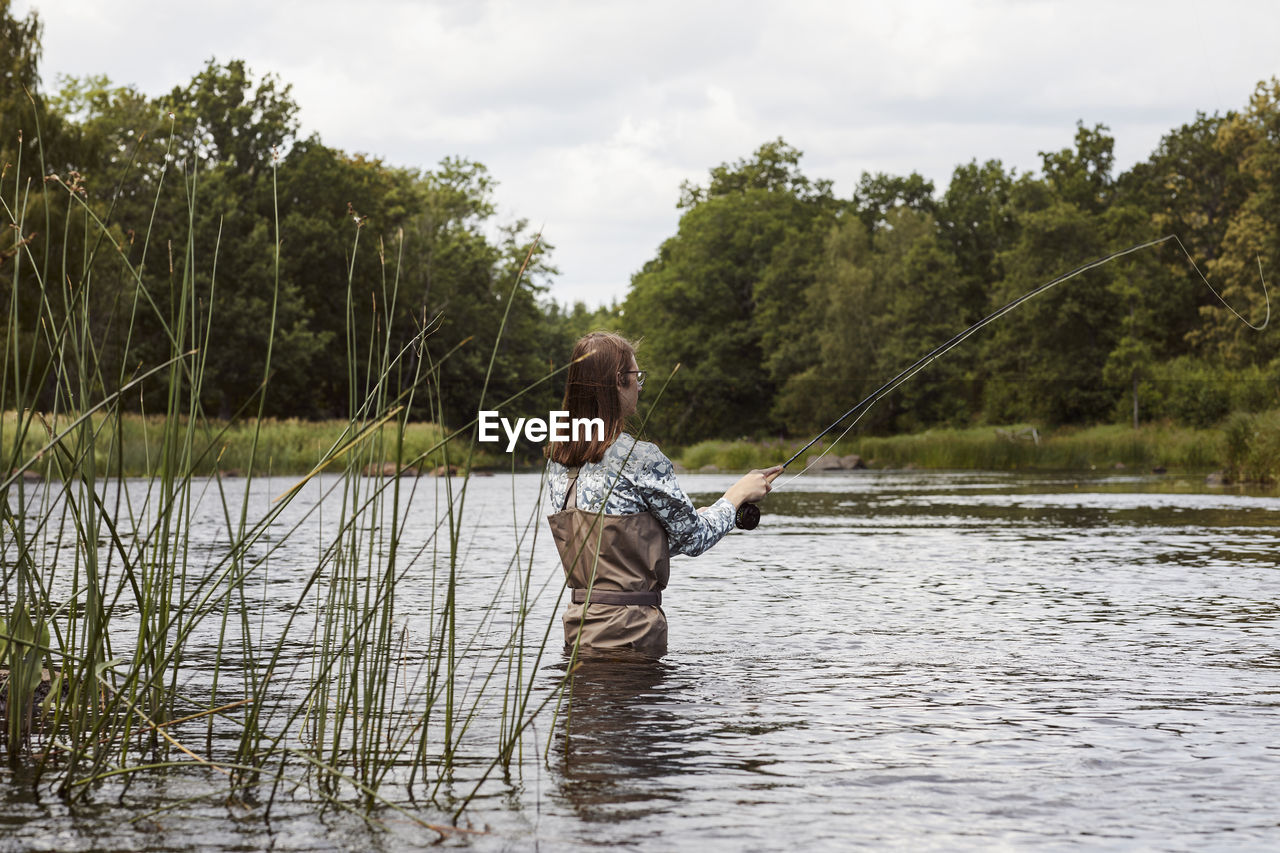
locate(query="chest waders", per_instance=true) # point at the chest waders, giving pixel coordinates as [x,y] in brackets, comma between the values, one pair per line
[616,567]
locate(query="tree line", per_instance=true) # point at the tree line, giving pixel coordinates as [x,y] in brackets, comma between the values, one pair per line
[782,303]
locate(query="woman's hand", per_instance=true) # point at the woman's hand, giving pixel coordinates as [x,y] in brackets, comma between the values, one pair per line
[753,486]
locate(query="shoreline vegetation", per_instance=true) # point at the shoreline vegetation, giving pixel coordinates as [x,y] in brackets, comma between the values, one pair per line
[131,447]
[1243,449]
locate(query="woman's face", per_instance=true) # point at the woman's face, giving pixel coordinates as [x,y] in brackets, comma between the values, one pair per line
[629,389]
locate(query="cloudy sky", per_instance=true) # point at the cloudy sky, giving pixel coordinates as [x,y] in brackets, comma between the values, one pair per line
[590,114]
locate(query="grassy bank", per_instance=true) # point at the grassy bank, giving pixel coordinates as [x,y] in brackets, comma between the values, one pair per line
[1251,447]
[990,448]
[132,445]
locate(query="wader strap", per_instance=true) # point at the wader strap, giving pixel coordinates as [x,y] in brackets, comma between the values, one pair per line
[572,490]
[601,596]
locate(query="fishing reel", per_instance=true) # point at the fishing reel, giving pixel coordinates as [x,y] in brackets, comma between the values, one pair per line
[747,517]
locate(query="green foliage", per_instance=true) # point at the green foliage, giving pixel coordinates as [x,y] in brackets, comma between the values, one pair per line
[1250,244]
[1252,447]
[732,455]
[1200,392]
[885,302]
[775,167]
[24,118]
[843,306]
[723,283]
[977,219]
[1081,176]
[1191,185]
[1046,360]
[573,323]
[876,195]
[23,645]
[843,302]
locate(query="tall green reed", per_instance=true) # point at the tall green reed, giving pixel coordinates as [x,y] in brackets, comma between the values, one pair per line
[101,586]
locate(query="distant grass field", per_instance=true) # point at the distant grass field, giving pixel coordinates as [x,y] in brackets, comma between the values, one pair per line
[991,448]
[131,447]
[1247,447]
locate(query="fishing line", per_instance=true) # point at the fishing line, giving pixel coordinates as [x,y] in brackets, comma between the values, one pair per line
[748,515]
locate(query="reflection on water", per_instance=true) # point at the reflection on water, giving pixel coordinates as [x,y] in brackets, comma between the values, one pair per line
[620,738]
[893,660]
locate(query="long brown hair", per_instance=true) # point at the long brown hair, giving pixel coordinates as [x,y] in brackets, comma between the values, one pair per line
[591,391]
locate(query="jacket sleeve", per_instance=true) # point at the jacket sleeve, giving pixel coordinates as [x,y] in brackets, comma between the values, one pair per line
[689,531]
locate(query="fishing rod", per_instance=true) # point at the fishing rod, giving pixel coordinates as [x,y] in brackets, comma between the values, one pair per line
[748,515]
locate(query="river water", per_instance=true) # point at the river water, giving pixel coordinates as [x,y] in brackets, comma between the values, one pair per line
[894,660]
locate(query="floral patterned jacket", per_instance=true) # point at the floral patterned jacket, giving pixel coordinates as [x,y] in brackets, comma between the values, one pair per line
[647,484]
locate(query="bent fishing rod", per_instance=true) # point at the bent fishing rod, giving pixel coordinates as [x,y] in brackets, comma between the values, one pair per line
[748,515]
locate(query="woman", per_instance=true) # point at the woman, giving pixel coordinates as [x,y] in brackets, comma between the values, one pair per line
[621,511]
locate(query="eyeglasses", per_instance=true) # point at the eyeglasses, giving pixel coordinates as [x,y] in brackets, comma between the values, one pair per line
[640,375]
